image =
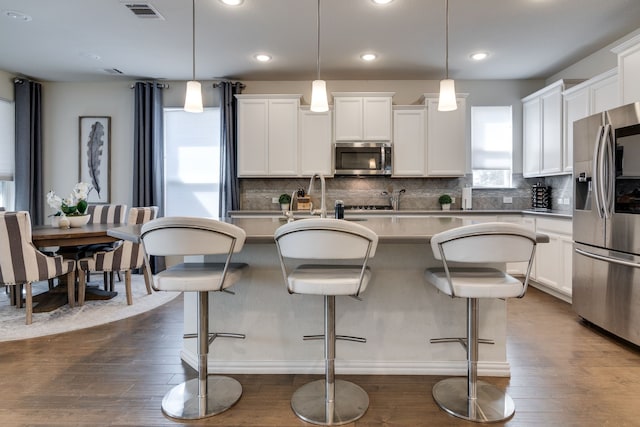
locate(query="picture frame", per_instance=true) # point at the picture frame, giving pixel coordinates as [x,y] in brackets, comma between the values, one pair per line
[95,157]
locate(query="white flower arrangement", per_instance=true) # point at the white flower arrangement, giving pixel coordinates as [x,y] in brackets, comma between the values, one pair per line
[74,205]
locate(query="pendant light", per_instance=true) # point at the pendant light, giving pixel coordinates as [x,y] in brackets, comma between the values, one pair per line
[447,100]
[319,103]
[193,98]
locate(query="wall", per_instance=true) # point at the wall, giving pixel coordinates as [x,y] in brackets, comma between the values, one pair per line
[63,103]
[420,193]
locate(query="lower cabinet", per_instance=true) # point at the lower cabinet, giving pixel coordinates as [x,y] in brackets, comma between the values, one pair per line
[554,259]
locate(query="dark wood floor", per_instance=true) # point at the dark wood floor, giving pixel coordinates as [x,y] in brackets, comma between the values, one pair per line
[563,374]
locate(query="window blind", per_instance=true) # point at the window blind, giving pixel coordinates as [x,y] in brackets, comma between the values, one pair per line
[491,138]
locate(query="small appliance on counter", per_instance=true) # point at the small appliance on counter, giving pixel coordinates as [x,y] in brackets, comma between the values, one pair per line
[540,197]
[466,199]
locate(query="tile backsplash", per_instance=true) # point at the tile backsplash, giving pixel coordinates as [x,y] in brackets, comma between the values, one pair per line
[420,193]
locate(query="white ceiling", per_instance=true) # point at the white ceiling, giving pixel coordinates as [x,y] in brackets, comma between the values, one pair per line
[77,40]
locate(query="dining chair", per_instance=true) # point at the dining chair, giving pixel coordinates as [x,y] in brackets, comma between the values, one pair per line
[126,256]
[206,395]
[327,257]
[104,214]
[21,263]
[471,257]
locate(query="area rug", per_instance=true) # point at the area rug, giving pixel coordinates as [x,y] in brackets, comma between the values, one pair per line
[92,313]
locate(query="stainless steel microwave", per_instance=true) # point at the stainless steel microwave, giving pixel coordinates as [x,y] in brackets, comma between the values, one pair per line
[362,158]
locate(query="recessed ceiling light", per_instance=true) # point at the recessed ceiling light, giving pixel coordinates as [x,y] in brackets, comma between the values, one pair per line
[232,2]
[18,16]
[479,56]
[382,1]
[368,56]
[263,57]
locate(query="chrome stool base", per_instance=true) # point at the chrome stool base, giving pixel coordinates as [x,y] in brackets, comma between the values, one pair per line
[182,401]
[491,403]
[310,404]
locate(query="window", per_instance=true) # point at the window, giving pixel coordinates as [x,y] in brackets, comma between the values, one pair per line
[7,147]
[491,146]
[192,162]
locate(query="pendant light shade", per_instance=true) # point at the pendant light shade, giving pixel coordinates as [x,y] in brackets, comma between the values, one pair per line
[319,103]
[193,98]
[447,101]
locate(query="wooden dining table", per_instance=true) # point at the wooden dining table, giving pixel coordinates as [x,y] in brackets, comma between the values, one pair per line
[47,236]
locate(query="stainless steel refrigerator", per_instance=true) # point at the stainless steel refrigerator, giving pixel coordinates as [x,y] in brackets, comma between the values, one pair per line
[606,220]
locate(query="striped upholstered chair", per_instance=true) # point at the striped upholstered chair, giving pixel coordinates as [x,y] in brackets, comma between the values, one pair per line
[103,214]
[21,263]
[125,257]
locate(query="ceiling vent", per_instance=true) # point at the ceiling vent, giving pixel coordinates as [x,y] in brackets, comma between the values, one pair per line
[144,10]
[112,71]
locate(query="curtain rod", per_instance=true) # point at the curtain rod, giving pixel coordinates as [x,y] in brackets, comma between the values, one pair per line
[241,85]
[158,85]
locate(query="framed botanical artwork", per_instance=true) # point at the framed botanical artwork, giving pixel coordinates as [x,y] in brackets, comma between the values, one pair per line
[95,157]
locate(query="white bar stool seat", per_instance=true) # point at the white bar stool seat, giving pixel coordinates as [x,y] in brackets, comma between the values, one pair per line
[206,395]
[329,243]
[494,242]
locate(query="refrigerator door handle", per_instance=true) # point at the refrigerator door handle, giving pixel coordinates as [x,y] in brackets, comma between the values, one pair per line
[607,167]
[607,258]
[596,173]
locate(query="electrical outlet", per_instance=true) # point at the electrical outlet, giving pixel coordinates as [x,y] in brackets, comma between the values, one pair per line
[453,200]
[567,201]
[506,199]
[560,201]
[275,200]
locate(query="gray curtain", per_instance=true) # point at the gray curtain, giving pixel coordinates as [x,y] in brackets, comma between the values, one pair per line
[148,146]
[28,155]
[229,184]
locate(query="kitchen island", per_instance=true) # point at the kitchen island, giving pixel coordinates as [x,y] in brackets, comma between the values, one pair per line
[397,315]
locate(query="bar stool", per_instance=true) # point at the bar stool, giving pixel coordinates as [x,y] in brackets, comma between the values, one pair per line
[182,236]
[327,240]
[495,242]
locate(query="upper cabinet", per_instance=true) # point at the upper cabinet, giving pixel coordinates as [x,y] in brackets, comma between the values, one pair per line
[629,69]
[446,138]
[362,116]
[542,131]
[409,141]
[268,135]
[592,96]
[315,142]
[428,142]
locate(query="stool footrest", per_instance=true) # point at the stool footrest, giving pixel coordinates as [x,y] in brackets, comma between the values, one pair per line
[338,337]
[214,335]
[461,341]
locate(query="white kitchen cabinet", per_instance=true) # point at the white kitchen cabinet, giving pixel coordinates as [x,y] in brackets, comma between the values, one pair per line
[554,259]
[268,135]
[446,138]
[592,96]
[362,116]
[629,70]
[315,143]
[409,141]
[542,131]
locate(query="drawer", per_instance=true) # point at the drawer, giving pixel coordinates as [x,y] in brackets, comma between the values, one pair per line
[561,226]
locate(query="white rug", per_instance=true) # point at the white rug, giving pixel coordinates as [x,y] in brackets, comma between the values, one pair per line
[92,313]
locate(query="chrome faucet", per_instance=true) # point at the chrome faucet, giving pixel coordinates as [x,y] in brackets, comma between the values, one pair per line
[394,199]
[323,190]
[289,214]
